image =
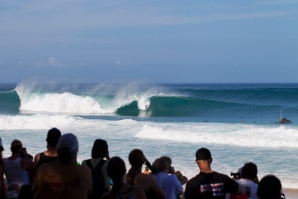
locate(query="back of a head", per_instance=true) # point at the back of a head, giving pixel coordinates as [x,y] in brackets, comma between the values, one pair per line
[53,137]
[116,168]
[16,146]
[67,148]
[203,159]
[136,158]
[168,159]
[99,149]
[203,154]
[249,171]
[269,188]
[163,164]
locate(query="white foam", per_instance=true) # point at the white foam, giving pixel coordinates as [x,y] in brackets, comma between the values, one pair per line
[34,99]
[31,130]
[7,91]
[227,134]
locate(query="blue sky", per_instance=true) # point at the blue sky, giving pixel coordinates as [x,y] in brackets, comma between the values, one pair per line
[160,41]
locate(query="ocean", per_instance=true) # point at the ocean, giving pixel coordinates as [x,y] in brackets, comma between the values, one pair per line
[235,121]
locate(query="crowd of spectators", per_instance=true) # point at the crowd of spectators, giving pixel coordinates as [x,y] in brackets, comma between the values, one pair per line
[55,173]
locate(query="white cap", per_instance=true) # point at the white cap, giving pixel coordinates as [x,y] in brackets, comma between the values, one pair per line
[69,141]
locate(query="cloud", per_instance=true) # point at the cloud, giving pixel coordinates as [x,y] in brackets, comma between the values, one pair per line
[51,62]
[123,63]
[118,62]
[21,62]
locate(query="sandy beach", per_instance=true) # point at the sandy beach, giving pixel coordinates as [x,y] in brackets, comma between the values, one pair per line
[291,193]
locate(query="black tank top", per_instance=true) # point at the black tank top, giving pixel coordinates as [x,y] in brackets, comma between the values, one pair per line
[45,159]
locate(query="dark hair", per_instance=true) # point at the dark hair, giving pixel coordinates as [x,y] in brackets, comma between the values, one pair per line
[53,137]
[16,146]
[249,171]
[168,159]
[99,149]
[66,155]
[269,188]
[203,154]
[136,159]
[116,170]
[163,164]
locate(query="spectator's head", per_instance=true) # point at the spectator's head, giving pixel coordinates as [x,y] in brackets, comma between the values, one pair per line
[136,158]
[53,137]
[249,171]
[1,146]
[99,149]
[164,165]
[269,188]
[116,169]
[203,158]
[156,163]
[67,148]
[168,159]
[16,146]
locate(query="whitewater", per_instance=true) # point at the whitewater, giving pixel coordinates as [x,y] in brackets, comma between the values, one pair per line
[236,122]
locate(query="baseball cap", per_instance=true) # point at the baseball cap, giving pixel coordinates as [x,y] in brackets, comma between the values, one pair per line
[203,154]
[53,135]
[68,141]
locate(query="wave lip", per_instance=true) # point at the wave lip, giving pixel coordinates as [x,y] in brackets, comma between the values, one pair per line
[39,98]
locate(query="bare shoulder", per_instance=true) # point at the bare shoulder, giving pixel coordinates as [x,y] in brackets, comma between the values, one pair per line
[149,178]
[139,191]
[37,156]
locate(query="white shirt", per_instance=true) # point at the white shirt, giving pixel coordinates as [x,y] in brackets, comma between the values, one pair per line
[249,186]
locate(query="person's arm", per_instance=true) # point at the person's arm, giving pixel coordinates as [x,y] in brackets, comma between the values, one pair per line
[108,156]
[25,161]
[231,186]
[177,184]
[153,169]
[35,163]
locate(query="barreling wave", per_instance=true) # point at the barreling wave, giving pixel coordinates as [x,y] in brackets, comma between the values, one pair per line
[88,99]
[131,99]
[9,101]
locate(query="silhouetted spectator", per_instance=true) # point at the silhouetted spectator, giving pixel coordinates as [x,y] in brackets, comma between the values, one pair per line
[15,169]
[98,166]
[269,188]
[169,181]
[120,190]
[63,179]
[136,177]
[208,183]
[3,187]
[50,155]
